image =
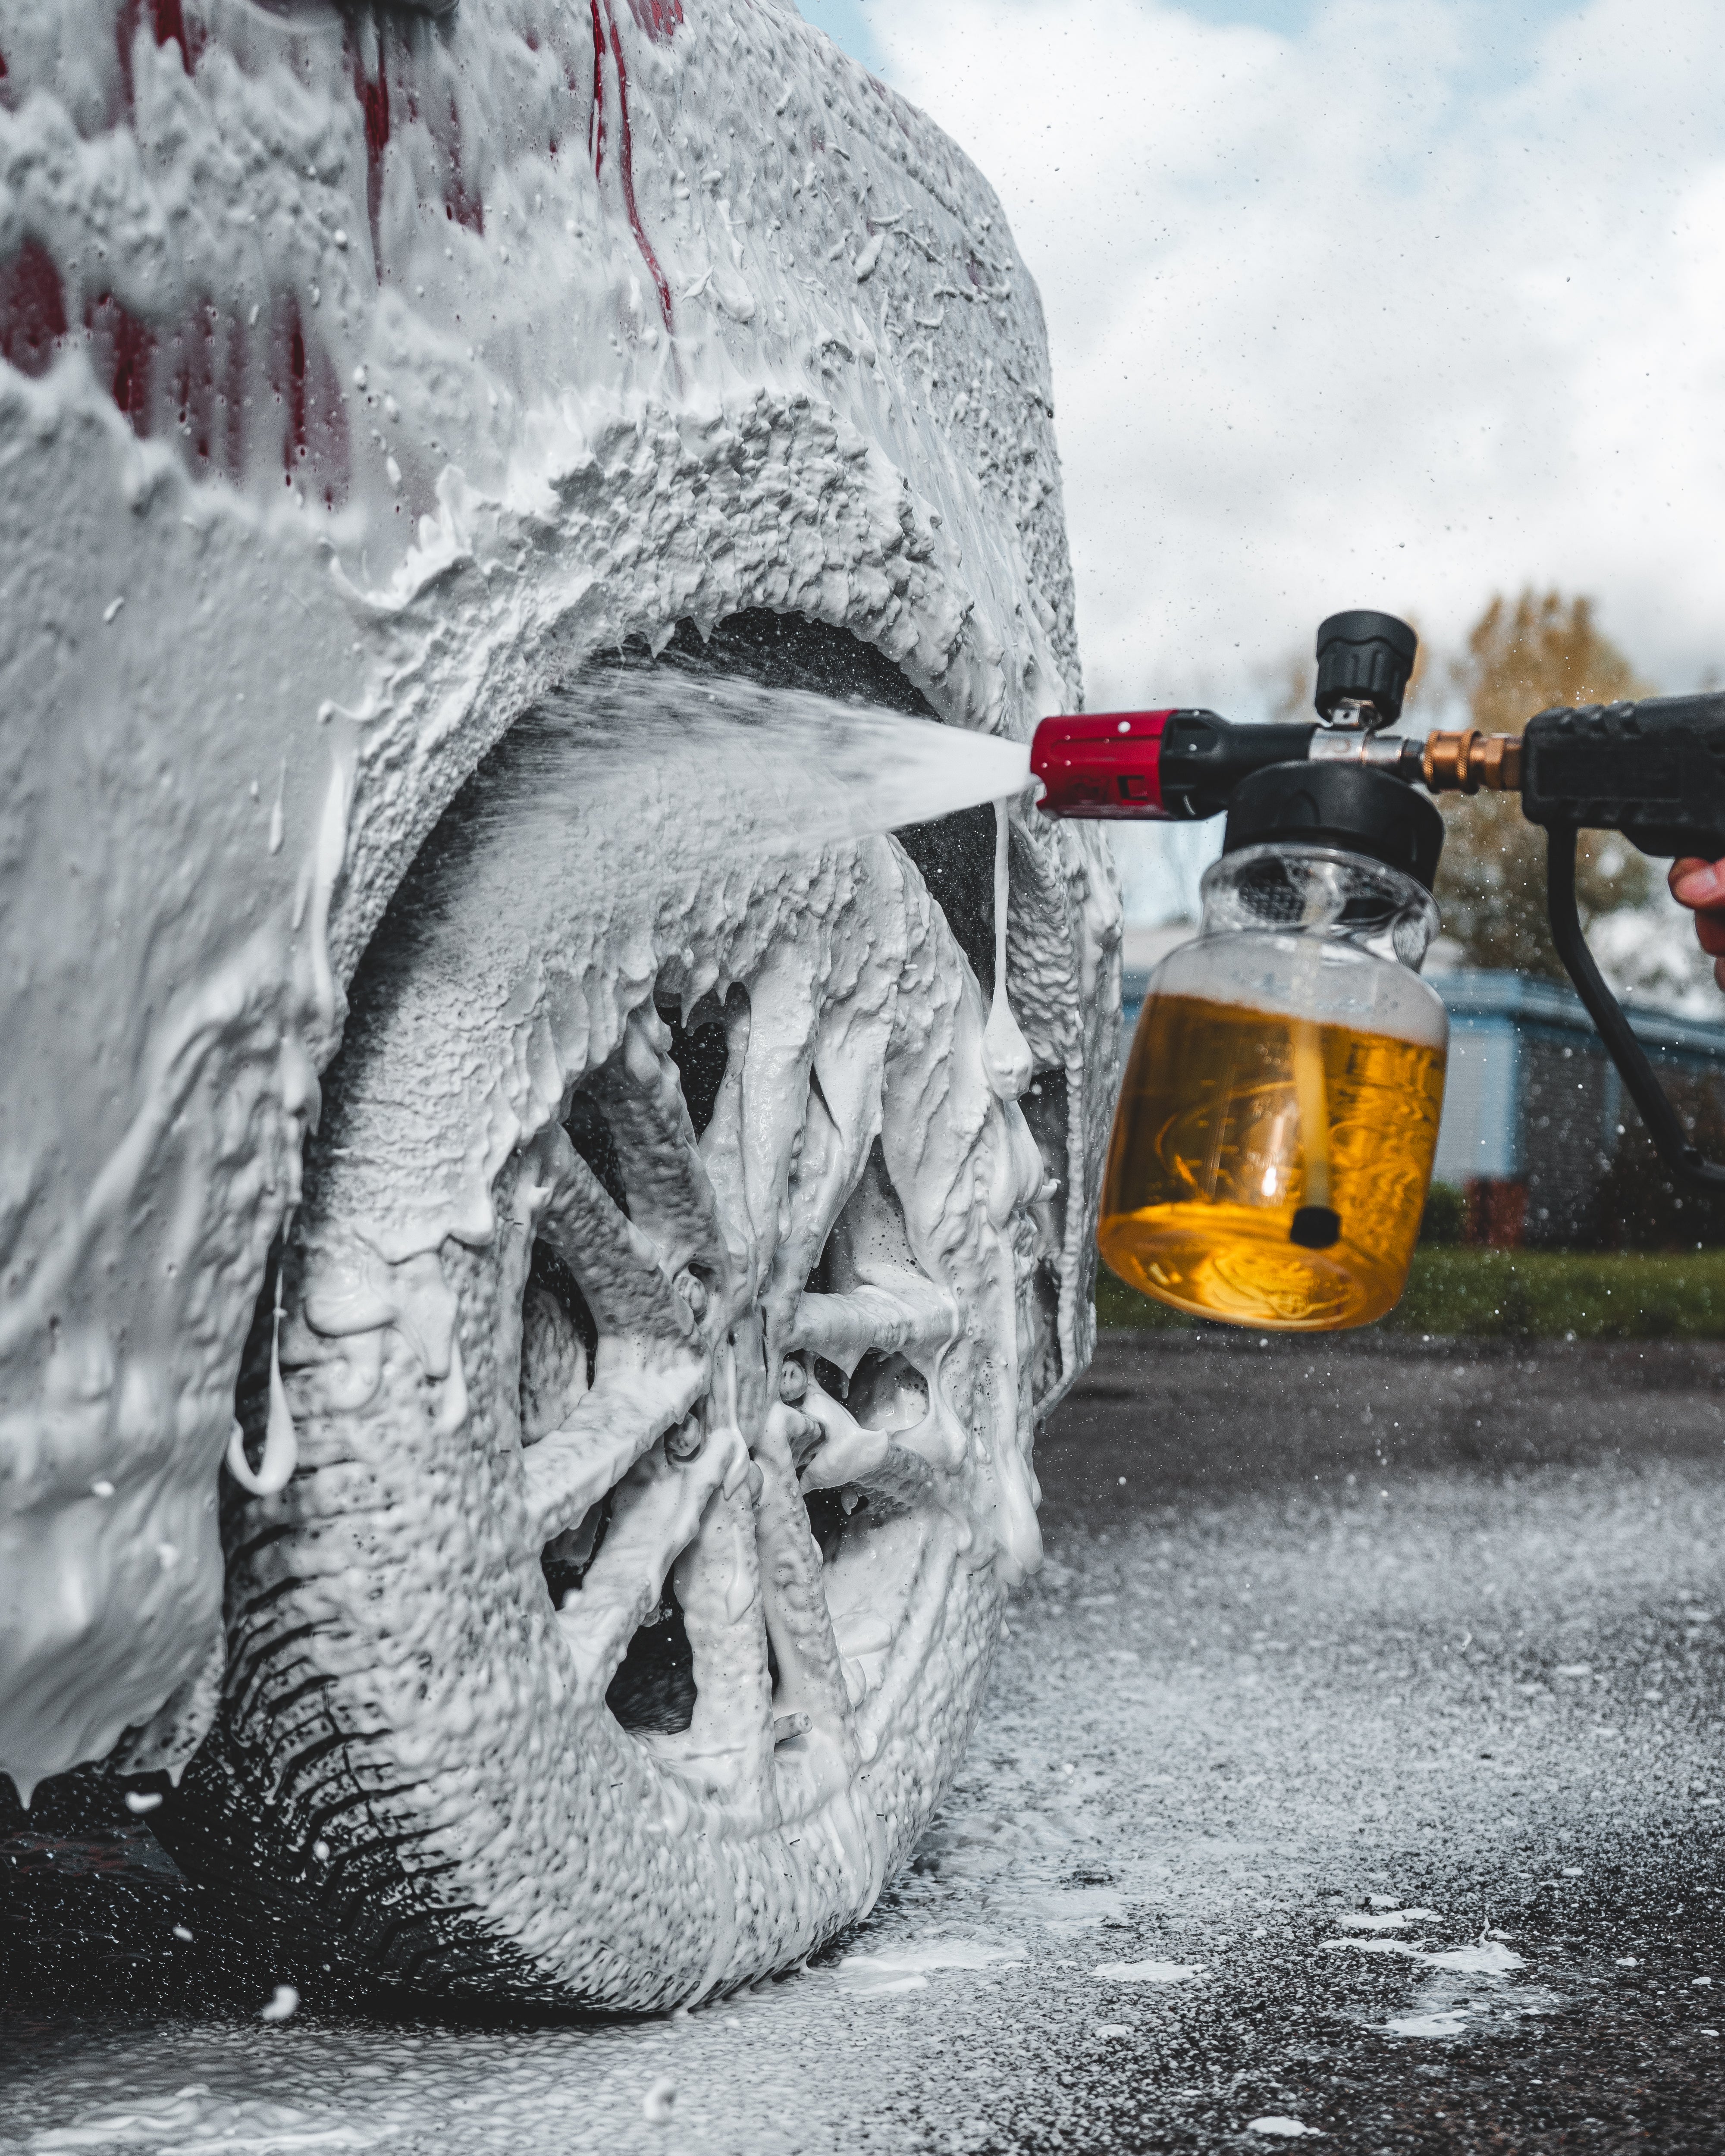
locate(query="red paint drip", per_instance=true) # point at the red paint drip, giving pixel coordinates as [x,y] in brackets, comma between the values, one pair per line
[296,446]
[209,390]
[168,21]
[628,175]
[659,19]
[238,402]
[314,441]
[33,308]
[374,107]
[460,207]
[596,121]
[167,25]
[121,348]
[125,29]
[202,383]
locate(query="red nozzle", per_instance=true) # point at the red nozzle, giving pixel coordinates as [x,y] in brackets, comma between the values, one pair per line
[1103,764]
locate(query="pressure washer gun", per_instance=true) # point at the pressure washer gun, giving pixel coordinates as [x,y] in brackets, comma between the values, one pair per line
[1274,1137]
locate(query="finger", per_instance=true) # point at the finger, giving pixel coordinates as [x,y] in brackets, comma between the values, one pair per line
[1710,933]
[1719,971]
[1695,882]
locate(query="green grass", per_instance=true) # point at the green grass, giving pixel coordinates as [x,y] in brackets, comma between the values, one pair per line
[1527,1295]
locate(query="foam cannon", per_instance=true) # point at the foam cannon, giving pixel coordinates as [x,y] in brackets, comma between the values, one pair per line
[1274,1136]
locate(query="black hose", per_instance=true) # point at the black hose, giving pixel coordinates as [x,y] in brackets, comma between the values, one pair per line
[1685,1160]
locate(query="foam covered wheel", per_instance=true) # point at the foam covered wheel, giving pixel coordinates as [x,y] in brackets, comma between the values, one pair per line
[657,1320]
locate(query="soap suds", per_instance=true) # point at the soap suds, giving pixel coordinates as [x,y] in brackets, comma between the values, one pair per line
[1486,1958]
[195,2120]
[1004,1048]
[281,1449]
[908,1968]
[1386,1920]
[1452,2021]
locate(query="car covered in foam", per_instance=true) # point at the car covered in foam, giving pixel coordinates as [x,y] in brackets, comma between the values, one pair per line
[370,370]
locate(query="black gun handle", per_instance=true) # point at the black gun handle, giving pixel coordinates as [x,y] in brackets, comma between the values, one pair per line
[1654,770]
[1684,1159]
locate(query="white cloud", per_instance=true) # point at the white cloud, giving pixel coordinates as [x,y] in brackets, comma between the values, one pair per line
[1416,303]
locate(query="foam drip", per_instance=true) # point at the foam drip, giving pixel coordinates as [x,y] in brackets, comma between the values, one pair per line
[1006,1053]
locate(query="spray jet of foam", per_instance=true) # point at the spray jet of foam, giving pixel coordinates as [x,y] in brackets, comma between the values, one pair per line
[635,771]
[779,770]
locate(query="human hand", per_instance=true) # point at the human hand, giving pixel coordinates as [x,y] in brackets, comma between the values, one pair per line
[1701,885]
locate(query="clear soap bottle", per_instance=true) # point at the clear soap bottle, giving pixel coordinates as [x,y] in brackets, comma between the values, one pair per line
[1273,1139]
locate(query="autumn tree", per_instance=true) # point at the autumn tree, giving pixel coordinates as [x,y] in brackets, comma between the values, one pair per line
[1522,658]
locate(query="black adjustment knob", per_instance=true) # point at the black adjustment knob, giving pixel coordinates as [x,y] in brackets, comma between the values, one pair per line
[1367,657]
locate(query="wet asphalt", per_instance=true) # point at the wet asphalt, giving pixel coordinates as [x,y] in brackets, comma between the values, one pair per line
[1355,1767]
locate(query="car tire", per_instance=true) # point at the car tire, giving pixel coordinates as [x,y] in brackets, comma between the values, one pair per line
[657,1329]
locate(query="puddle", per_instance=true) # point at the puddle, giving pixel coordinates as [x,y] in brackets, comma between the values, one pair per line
[1467,1992]
[1078,1908]
[1444,2007]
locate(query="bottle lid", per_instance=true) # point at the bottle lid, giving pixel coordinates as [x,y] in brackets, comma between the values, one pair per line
[1364,656]
[1338,804]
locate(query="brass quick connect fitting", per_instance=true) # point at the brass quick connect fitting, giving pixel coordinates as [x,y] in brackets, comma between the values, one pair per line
[1464,761]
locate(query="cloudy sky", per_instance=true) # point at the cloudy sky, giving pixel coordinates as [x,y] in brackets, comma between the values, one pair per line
[1379,302]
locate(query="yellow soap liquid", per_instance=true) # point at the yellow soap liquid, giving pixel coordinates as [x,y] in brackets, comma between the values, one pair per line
[1232,1120]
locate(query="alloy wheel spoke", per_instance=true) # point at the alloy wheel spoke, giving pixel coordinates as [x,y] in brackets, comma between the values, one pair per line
[671,1193]
[838,1137]
[787,1180]
[655,1512]
[759,1119]
[727,1747]
[895,1312]
[811,1680]
[639,1392]
[617,1265]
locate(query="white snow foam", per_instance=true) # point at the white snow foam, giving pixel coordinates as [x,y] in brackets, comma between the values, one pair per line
[1451,2021]
[905,1968]
[192,2119]
[814,771]
[1487,1958]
